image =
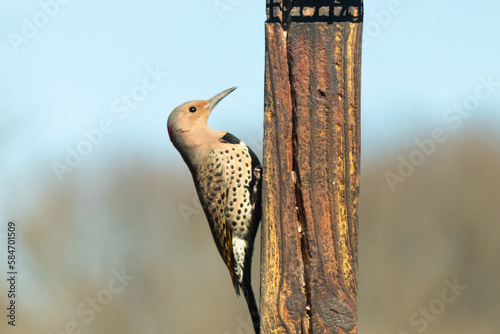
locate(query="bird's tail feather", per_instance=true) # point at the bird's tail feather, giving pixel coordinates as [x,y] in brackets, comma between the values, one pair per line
[246,286]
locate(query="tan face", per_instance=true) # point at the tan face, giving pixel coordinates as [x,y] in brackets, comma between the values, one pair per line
[190,119]
[188,116]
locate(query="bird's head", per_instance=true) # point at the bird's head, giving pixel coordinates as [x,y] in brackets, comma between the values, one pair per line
[188,122]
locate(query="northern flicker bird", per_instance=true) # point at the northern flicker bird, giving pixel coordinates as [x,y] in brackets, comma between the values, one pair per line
[226,173]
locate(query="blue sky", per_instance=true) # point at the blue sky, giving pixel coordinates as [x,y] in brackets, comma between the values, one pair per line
[67,74]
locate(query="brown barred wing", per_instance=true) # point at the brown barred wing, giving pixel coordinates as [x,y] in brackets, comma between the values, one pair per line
[213,192]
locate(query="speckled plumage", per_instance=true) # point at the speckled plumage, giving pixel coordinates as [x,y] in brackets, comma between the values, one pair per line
[225,186]
[226,174]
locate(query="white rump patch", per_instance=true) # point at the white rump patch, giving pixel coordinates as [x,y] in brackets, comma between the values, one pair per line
[239,249]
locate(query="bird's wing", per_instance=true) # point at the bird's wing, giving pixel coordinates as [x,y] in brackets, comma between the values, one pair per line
[213,193]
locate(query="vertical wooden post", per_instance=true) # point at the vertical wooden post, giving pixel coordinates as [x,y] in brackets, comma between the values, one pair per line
[309,265]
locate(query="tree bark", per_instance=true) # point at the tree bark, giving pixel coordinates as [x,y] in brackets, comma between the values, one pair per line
[309,265]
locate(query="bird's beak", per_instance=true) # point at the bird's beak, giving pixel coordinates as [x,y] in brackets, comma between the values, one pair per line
[217,98]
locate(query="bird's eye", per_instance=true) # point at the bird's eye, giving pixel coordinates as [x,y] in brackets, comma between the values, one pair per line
[192,109]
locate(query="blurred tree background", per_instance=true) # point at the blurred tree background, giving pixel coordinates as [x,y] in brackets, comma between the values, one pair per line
[126,214]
